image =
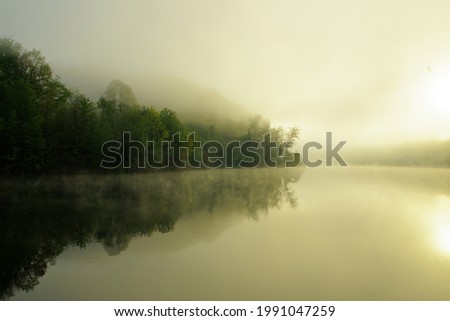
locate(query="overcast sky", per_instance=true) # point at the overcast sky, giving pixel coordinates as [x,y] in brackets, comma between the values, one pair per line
[370,71]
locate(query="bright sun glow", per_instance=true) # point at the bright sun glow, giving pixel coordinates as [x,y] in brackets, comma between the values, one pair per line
[436,91]
[443,239]
[442,224]
[429,107]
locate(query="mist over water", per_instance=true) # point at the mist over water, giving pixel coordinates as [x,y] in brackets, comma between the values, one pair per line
[60,212]
[359,233]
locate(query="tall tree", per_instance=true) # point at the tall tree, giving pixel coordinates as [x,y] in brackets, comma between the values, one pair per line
[22,143]
[120,93]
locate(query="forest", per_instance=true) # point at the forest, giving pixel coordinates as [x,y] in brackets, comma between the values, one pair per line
[47,127]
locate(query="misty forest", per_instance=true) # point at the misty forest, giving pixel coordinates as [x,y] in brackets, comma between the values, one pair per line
[48,128]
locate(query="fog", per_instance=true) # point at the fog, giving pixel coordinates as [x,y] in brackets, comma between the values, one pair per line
[136,161]
[373,73]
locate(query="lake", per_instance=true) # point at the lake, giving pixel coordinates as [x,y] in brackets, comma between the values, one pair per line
[355,233]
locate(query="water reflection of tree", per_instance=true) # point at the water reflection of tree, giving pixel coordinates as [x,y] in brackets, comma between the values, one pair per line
[41,217]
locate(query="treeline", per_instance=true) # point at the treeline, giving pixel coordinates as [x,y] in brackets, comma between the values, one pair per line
[46,127]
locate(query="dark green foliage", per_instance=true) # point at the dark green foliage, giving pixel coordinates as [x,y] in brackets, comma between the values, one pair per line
[22,141]
[75,134]
[45,127]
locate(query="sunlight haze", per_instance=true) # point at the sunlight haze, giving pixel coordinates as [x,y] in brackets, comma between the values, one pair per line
[180,151]
[371,72]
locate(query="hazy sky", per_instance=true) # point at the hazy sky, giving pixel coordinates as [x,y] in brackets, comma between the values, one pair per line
[370,71]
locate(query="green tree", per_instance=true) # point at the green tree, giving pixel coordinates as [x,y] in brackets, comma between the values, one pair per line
[171,122]
[77,137]
[120,93]
[23,145]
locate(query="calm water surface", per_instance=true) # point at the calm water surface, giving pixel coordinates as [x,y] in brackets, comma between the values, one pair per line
[358,233]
